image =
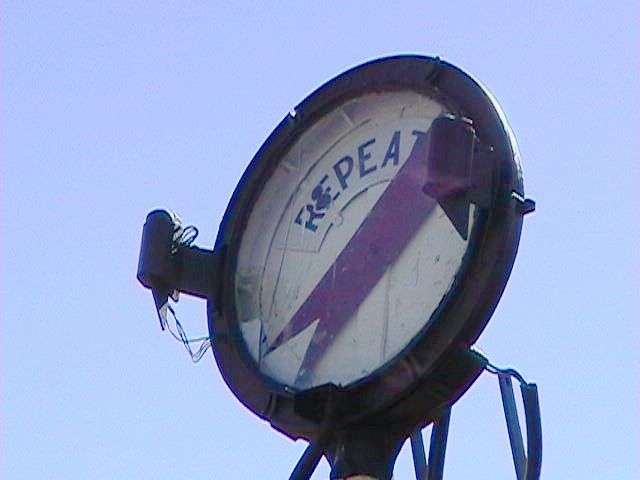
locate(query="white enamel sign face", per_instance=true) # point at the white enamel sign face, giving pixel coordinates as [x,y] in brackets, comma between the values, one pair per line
[344,257]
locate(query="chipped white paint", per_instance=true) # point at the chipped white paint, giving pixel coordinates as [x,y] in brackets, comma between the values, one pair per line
[293,237]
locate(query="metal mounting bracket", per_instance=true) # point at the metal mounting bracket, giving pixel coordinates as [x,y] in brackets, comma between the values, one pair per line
[168,265]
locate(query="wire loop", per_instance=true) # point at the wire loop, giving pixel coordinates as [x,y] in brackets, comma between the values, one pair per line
[491,368]
[204,342]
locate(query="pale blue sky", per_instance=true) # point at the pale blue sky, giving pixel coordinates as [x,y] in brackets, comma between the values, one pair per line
[111,109]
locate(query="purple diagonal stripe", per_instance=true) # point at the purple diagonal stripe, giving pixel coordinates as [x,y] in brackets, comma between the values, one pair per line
[397,215]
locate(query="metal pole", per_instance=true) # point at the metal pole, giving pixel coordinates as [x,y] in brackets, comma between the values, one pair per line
[534,430]
[513,425]
[308,462]
[529,465]
[367,451]
[438,446]
[419,457]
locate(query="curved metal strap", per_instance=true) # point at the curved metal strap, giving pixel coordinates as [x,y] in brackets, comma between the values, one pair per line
[527,466]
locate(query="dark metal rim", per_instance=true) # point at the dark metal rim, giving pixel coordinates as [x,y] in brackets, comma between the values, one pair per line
[458,323]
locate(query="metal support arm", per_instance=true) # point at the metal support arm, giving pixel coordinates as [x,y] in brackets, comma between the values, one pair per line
[169,264]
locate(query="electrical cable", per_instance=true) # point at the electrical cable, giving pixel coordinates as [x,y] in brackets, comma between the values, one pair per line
[188,236]
[182,238]
[204,342]
[491,368]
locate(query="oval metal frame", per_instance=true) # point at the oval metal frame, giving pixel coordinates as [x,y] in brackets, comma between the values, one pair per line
[464,313]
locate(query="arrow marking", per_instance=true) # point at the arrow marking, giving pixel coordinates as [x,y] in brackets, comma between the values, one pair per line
[388,228]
